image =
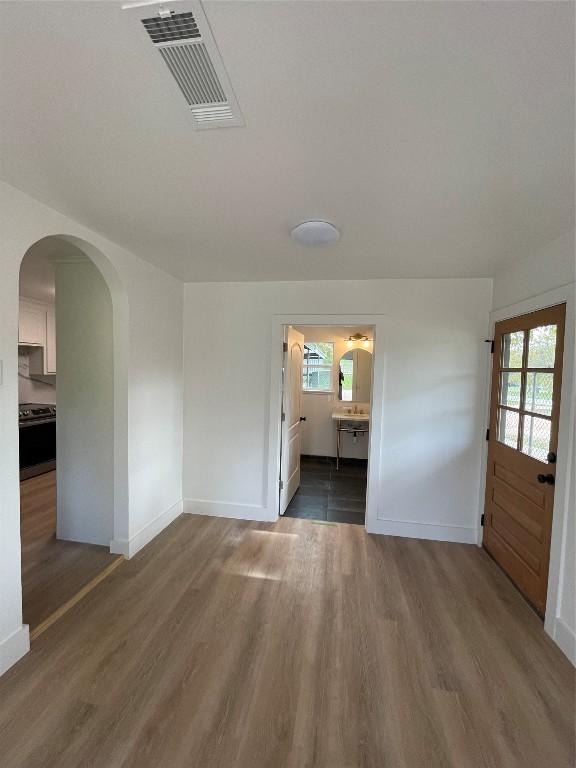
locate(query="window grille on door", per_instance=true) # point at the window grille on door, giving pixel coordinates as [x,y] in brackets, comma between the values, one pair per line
[526,390]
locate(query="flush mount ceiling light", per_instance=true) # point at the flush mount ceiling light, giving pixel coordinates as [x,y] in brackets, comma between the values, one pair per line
[315,233]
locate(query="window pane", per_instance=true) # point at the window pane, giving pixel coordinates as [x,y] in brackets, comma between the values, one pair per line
[510,386]
[317,378]
[536,437]
[539,388]
[318,353]
[508,422]
[512,348]
[542,347]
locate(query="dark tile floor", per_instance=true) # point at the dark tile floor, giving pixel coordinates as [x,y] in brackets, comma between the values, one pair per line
[330,494]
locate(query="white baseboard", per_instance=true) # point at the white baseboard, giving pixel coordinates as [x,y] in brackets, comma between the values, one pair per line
[14,647]
[565,639]
[227,509]
[129,547]
[412,530]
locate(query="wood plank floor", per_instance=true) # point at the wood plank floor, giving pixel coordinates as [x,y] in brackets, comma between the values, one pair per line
[230,644]
[53,571]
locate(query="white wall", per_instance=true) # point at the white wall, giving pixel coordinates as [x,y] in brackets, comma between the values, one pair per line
[152,318]
[435,368]
[84,330]
[532,280]
[566,613]
[319,430]
[547,268]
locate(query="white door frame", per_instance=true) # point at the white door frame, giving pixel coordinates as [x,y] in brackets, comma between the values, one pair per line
[566,451]
[378,322]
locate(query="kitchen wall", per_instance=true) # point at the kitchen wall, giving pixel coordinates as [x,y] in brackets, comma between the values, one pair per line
[534,279]
[148,321]
[33,389]
[435,366]
[319,430]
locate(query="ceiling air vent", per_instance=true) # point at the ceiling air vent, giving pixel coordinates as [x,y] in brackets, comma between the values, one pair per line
[185,42]
[177,26]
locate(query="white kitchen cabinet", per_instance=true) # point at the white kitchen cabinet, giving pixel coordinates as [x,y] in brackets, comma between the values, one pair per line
[32,323]
[37,330]
[50,353]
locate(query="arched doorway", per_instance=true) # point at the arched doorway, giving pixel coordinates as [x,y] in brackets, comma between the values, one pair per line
[68,526]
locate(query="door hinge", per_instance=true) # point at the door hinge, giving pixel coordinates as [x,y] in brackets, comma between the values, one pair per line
[488,434]
[491,342]
[285,346]
[282,416]
[482,520]
[281,485]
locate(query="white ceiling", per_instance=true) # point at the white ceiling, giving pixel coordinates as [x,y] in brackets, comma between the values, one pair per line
[438,136]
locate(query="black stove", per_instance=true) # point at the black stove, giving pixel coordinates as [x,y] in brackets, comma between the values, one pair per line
[31,413]
[37,423]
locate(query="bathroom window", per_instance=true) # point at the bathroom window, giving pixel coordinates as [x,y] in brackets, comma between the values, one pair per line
[318,366]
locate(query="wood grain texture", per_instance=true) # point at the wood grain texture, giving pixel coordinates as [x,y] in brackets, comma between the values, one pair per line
[231,644]
[53,571]
[518,509]
[80,595]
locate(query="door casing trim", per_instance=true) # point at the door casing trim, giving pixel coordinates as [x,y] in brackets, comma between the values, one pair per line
[563,295]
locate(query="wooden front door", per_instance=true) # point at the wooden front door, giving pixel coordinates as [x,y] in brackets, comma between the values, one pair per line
[523,437]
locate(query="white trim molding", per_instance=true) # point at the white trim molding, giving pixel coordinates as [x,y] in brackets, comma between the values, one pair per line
[410,529]
[228,509]
[565,639]
[129,547]
[14,647]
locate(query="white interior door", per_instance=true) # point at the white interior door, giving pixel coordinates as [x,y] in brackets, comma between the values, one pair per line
[292,402]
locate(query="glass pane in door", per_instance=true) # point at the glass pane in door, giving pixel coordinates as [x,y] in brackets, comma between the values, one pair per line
[542,347]
[510,388]
[512,349]
[508,422]
[539,390]
[536,437]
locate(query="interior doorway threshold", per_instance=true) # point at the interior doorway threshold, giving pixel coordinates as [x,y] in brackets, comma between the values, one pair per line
[80,595]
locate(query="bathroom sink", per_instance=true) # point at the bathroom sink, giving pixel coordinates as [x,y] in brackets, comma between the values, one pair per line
[349,415]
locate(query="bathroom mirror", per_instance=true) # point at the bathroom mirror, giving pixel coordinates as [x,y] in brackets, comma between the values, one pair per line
[355,376]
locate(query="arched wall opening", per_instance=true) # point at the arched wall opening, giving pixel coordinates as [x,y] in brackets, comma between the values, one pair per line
[91,311]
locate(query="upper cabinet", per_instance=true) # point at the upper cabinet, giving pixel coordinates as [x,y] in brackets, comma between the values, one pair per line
[50,355]
[37,330]
[32,323]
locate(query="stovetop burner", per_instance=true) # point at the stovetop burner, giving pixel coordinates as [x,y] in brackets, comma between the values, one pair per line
[36,412]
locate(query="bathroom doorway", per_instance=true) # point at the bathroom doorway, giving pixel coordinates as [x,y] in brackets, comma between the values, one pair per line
[325,422]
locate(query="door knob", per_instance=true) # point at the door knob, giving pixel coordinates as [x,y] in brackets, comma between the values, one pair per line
[549,479]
